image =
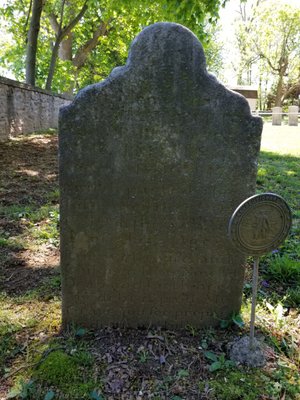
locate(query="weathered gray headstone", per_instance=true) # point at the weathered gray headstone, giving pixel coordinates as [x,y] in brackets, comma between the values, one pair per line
[276,115]
[293,115]
[153,161]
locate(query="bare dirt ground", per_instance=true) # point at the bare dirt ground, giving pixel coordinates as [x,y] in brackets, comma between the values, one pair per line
[28,173]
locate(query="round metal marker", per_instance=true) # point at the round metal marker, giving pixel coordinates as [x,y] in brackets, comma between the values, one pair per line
[259,225]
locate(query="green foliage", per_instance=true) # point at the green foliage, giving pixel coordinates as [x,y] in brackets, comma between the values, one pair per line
[25,390]
[49,395]
[236,386]
[53,197]
[48,289]
[293,297]
[31,213]
[236,319]
[96,396]
[64,372]
[10,326]
[42,224]
[12,243]
[182,373]
[121,21]
[280,174]
[143,355]
[8,347]
[15,211]
[283,269]
[80,332]
[218,361]
[268,39]
[284,380]
[277,313]
[252,385]
[191,330]
[3,242]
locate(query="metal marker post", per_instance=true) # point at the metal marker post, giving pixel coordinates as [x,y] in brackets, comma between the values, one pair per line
[257,226]
[254,296]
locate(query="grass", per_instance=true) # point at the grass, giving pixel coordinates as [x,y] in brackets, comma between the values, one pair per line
[283,140]
[38,361]
[283,269]
[47,215]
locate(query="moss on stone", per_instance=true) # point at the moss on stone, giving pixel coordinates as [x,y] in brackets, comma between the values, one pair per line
[64,372]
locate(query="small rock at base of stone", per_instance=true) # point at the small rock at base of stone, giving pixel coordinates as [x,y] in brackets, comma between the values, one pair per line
[241,353]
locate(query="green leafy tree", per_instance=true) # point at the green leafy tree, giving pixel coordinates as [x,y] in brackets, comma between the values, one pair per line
[244,37]
[80,41]
[281,47]
[268,39]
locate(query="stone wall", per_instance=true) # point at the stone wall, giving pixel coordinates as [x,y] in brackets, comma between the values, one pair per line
[24,108]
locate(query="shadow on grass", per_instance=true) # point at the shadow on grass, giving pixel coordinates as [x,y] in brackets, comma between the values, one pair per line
[28,170]
[28,212]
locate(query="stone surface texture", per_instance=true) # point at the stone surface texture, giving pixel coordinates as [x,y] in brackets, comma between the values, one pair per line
[25,109]
[242,353]
[153,162]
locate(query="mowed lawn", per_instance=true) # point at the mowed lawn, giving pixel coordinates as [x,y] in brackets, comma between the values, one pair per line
[282,139]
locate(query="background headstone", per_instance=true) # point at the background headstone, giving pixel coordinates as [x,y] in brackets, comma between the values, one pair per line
[153,161]
[276,115]
[293,115]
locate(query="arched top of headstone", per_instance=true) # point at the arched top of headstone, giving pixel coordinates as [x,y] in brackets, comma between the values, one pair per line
[166,66]
[167,43]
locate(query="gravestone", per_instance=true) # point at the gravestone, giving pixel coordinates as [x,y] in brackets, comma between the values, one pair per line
[293,115]
[153,161]
[276,115]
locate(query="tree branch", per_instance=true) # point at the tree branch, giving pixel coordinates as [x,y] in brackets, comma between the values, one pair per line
[61,15]
[293,90]
[53,22]
[59,38]
[262,55]
[71,25]
[28,16]
[85,50]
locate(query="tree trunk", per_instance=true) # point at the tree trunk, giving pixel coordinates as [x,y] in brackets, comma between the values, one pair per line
[32,39]
[279,90]
[260,93]
[83,53]
[52,65]
[65,48]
